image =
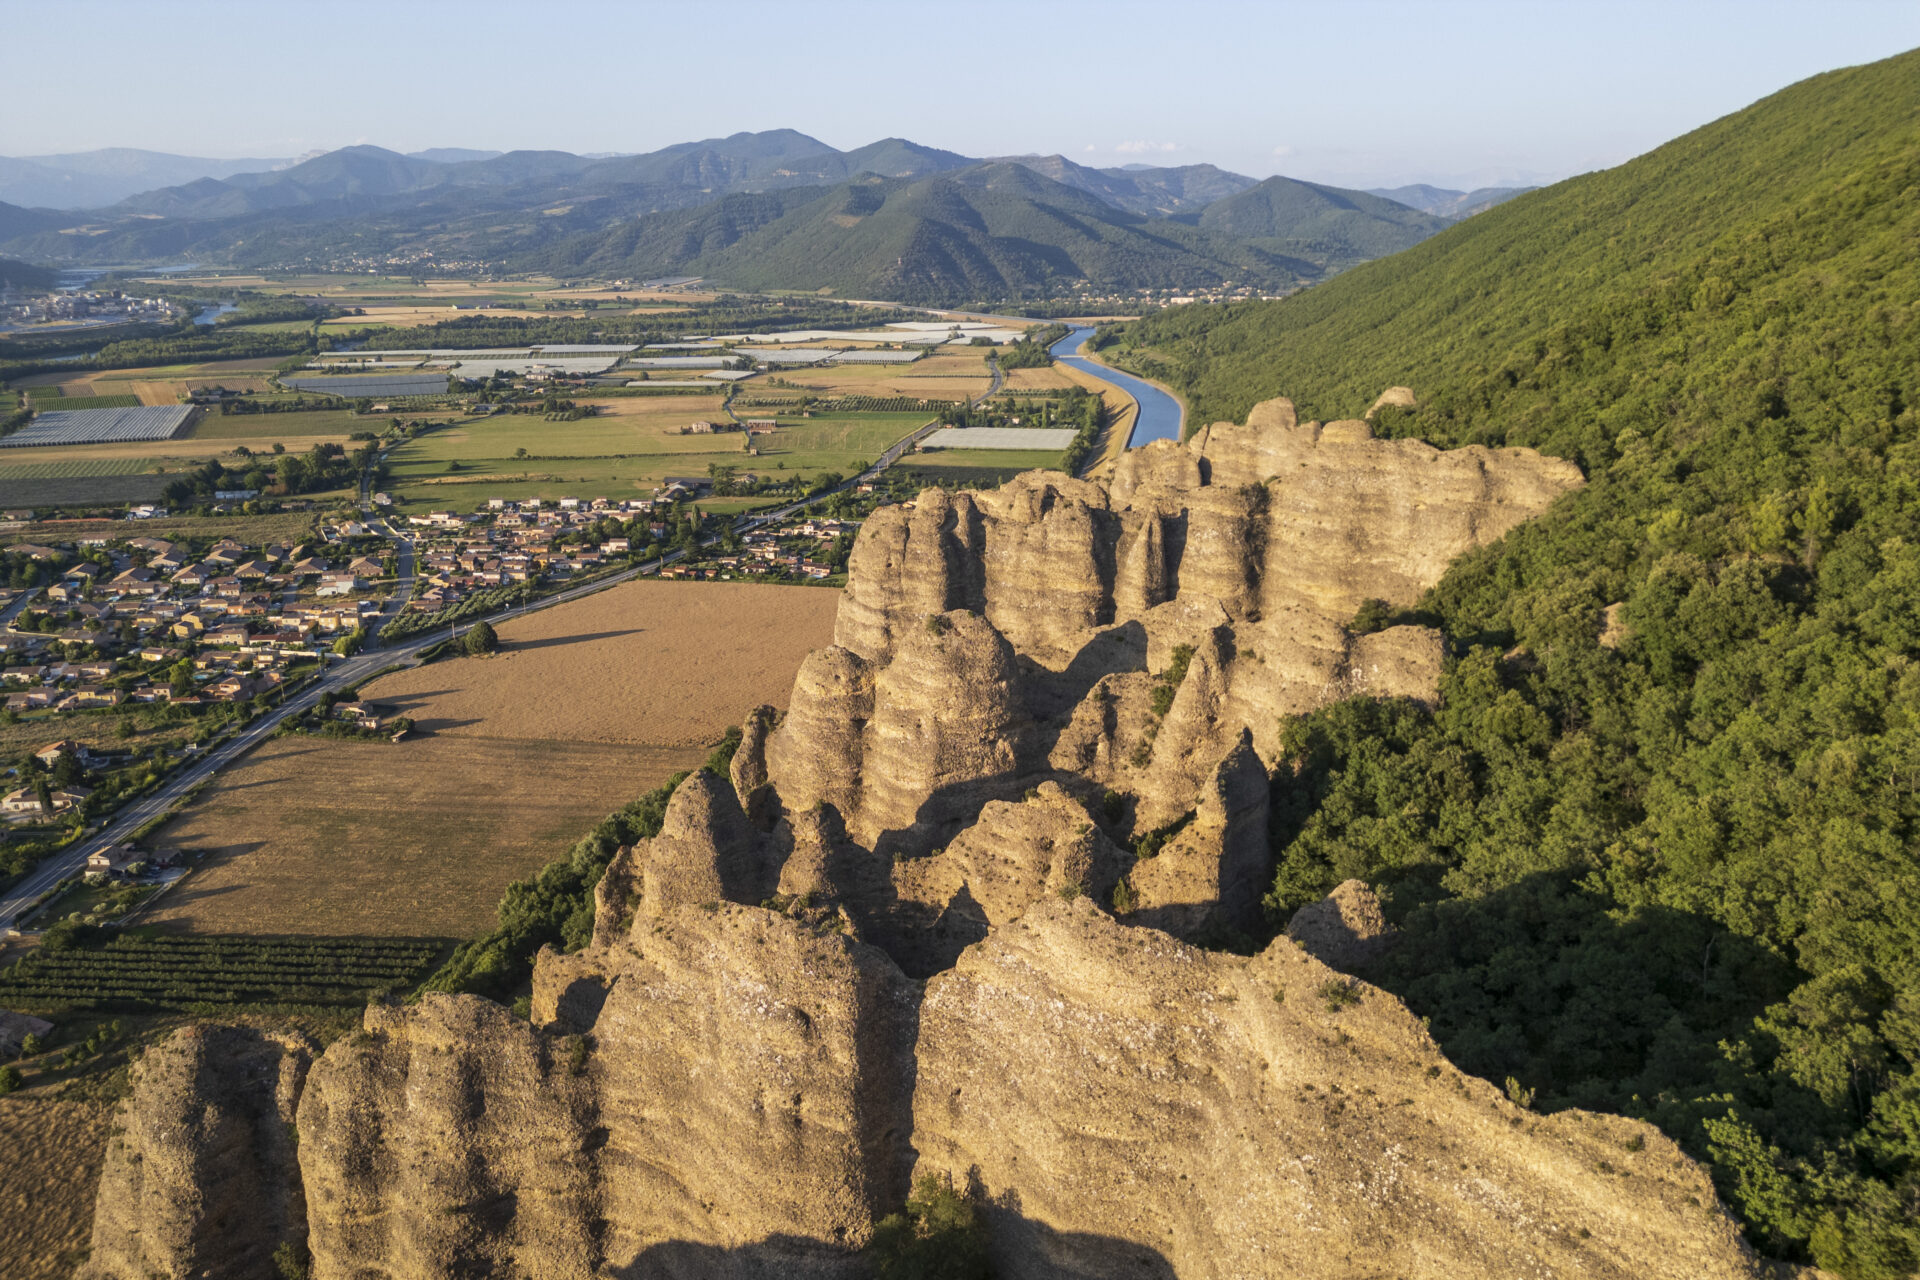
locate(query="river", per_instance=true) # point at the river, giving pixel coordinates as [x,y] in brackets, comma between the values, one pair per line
[1160,414]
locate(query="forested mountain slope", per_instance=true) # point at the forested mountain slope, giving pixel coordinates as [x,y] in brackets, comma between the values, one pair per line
[1329,223]
[1675,873]
[995,230]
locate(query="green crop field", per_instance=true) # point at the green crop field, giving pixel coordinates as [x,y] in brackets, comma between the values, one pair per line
[185,973]
[67,468]
[976,468]
[47,399]
[81,491]
[314,422]
[624,454]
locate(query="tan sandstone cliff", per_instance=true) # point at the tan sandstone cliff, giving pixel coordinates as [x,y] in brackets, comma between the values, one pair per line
[911,933]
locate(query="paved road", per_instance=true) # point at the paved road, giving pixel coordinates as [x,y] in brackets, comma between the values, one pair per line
[350,671]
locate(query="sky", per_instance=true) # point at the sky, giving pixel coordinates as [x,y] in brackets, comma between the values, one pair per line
[1458,93]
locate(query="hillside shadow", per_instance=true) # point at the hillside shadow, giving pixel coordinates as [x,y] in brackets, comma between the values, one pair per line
[1584,1003]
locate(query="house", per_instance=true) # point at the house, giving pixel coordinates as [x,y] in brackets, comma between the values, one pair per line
[49,755]
[338,584]
[26,801]
[235,688]
[761,426]
[367,567]
[113,861]
[364,715]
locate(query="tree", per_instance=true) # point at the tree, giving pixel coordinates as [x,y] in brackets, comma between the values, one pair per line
[10,1079]
[349,644]
[482,639]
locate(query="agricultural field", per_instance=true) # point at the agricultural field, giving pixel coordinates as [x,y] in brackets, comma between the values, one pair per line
[66,468]
[55,1148]
[958,374]
[183,452]
[513,757]
[1051,377]
[99,490]
[975,468]
[300,424]
[624,452]
[335,837]
[49,399]
[137,973]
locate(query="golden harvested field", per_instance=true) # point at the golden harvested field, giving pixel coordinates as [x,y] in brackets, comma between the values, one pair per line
[54,1150]
[1051,376]
[589,705]
[417,838]
[662,663]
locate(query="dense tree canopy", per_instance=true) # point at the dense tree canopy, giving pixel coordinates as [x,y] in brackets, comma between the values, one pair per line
[1674,875]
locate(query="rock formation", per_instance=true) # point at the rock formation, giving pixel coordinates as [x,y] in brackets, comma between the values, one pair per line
[949,916]
[200,1176]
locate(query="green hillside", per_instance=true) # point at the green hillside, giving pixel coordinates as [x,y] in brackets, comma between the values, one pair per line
[995,230]
[1327,224]
[1677,878]
[25,276]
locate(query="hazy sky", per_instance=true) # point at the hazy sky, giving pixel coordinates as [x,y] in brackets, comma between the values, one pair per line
[1356,93]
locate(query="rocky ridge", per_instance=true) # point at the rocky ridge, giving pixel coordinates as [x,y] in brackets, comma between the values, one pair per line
[942,918]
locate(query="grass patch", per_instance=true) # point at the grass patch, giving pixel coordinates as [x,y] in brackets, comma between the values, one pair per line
[314,422]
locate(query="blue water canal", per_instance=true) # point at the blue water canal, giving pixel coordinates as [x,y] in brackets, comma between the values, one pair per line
[1160,415]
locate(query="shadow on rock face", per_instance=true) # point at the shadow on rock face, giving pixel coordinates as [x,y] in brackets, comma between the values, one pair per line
[1021,1250]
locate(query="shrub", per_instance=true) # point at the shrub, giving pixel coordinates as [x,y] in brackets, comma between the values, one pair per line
[482,639]
[939,1237]
[1338,994]
[10,1079]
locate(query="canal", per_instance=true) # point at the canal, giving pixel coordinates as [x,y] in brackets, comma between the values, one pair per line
[1160,414]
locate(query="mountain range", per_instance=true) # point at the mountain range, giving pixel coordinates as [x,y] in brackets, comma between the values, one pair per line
[776,209]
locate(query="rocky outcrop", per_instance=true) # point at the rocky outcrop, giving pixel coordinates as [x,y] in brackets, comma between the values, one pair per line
[447,1139]
[1344,930]
[200,1176]
[1253,543]
[1180,1112]
[16,1027]
[941,917]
